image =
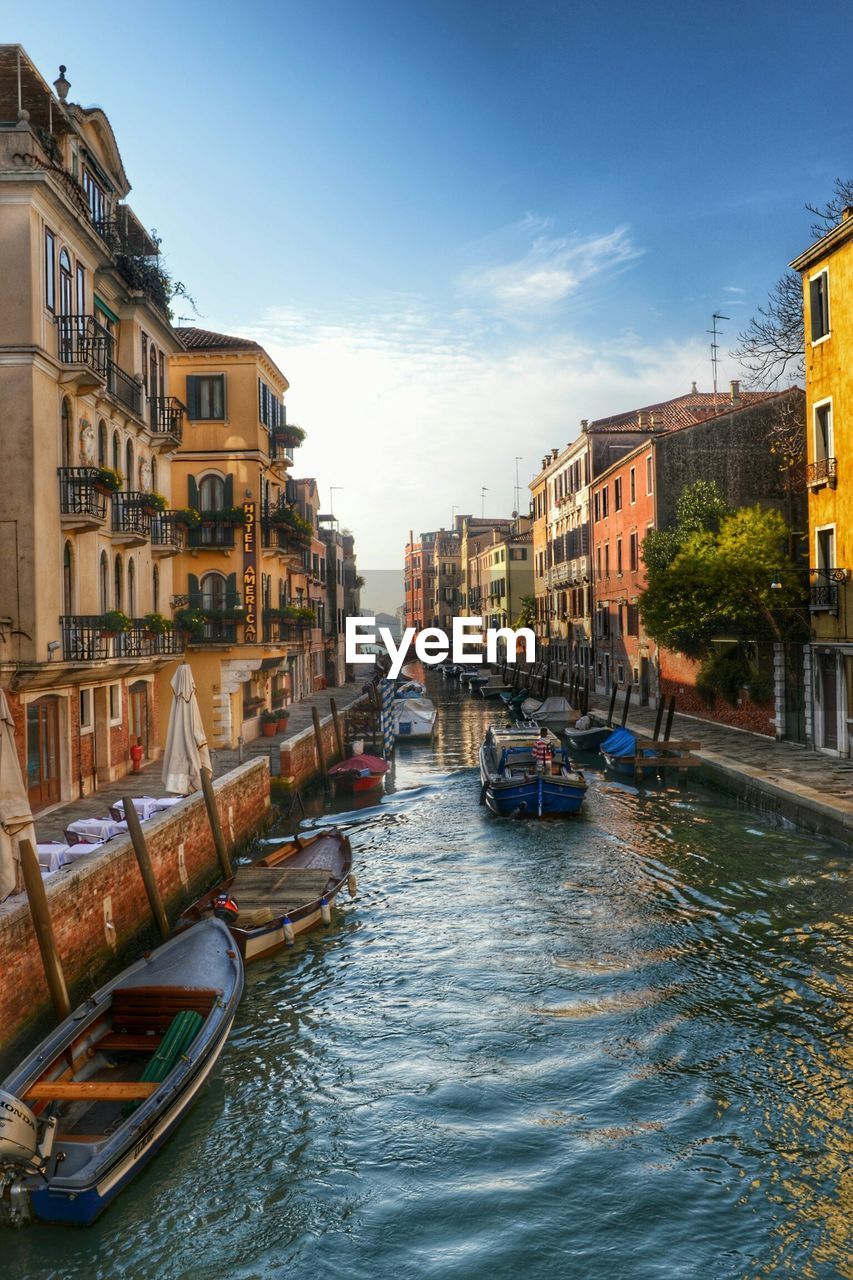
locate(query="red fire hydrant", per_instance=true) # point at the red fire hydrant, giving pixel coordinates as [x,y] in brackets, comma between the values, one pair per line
[136,755]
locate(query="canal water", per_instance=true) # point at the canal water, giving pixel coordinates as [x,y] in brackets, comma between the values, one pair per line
[604,1047]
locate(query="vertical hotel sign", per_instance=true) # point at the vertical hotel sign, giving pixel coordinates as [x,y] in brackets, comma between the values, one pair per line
[250,576]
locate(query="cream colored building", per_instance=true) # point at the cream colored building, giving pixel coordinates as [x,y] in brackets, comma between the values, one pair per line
[85,343]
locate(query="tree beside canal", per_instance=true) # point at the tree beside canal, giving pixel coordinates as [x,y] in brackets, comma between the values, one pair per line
[717,583]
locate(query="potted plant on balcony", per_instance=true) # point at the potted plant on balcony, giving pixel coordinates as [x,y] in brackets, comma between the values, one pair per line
[107,480]
[156,624]
[191,621]
[155,504]
[269,721]
[307,617]
[114,622]
[187,516]
[283,715]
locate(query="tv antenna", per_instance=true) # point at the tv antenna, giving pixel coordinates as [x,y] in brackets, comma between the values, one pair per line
[483,491]
[715,346]
[517,503]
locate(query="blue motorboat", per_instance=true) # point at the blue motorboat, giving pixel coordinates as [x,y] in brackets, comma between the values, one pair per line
[100,1095]
[620,753]
[511,785]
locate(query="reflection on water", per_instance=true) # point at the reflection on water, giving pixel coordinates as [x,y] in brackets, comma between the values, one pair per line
[613,1046]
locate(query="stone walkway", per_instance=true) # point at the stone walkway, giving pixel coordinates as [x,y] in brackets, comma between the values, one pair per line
[149,782]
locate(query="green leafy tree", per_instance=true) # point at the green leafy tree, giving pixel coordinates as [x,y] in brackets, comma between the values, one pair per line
[527,613]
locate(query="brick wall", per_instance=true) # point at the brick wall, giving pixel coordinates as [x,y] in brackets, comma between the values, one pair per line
[299,759]
[108,886]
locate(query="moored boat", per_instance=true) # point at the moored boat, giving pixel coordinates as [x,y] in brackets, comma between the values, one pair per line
[555,713]
[511,785]
[414,719]
[619,749]
[587,736]
[101,1094]
[359,774]
[282,894]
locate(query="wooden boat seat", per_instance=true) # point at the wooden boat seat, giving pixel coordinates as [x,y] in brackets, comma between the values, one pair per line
[89,1090]
[123,1042]
[139,1009]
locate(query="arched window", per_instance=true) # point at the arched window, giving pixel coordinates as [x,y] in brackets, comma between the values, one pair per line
[152,374]
[211,493]
[104,582]
[68,579]
[128,466]
[117,583]
[116,451]
[131,588]
[66,306]
[67,428]
[102,443]
[213,591]
[155,589]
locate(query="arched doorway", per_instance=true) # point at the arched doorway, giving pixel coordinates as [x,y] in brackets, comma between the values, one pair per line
[43,752]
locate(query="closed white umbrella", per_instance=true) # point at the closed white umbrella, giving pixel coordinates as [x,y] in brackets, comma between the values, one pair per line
[16,819]
[186,752]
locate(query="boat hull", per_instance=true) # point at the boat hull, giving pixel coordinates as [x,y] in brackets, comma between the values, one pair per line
[586,739]
[533,796]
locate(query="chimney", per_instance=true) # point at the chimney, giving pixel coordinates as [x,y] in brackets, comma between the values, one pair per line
[847,212]
[584,424]
[653,421]
[554,452]
[734,390]
[545,462]
[694,390]
[642,418]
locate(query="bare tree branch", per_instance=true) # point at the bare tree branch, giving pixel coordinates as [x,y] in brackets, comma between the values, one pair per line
[830,215]
[773,343]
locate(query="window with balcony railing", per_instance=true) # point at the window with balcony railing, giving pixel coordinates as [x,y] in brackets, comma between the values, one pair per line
[78,495]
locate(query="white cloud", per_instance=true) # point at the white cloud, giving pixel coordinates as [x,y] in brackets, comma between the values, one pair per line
[411,414]
[550,270]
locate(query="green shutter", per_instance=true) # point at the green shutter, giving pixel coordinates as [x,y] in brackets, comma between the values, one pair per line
[192,396]
[192,590]
[229,492]
[192,492]
[231,591]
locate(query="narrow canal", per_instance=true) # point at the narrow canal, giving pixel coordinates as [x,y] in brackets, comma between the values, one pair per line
[603,1047]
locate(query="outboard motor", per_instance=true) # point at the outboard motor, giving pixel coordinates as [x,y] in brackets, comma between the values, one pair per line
[225,908]
[22,1154]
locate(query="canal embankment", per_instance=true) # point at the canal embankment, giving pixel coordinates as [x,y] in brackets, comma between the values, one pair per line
[808,788]
[98,905]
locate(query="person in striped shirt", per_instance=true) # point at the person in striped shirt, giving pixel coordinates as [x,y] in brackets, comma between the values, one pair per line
[542,752]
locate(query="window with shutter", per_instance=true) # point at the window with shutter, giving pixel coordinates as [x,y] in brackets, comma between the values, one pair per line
[192,492]
[819,297]
[231,591]
[206,397]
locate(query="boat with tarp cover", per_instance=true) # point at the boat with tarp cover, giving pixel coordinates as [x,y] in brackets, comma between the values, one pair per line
[510,783]
[92,1103]
[282,894]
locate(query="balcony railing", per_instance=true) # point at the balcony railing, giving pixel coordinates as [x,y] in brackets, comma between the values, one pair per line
[78,495]
[824,471]
[211,533]
[124,388]
[167,534]
[81,340]
[130,515]
[166,416]
[825,593]
[84,639]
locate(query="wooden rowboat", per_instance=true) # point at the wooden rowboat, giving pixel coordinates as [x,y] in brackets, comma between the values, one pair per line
[101,1094]
[285,893]
[359,773]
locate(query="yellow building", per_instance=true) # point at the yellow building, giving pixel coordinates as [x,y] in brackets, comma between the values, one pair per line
[247,625]
[89,422]
[827,272]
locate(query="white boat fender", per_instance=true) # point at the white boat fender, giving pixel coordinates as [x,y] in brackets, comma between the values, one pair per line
[352,884]
[287,929]
[325,911]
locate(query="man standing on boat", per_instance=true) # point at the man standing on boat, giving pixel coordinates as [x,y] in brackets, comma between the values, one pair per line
[543,751]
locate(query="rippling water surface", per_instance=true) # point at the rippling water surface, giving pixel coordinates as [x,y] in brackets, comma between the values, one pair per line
[611,1046]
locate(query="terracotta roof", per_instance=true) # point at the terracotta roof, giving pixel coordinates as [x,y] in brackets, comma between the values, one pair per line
[205,339]
[683,411]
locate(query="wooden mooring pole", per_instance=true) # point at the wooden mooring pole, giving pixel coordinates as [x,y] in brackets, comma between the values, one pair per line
[625,705]
[318,738]
[215,824]
[146,868]
[658,719]
[339,733]
[669,718]
[612,706]
[44,929]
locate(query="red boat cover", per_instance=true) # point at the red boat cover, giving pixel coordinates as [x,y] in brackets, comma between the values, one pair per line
[361,764]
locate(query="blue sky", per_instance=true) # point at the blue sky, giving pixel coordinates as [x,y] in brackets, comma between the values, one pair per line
[462,227]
